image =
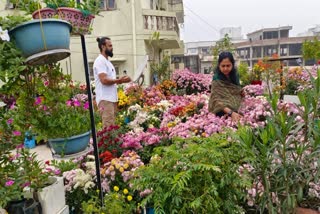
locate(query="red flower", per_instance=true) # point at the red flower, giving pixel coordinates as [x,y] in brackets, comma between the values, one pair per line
[319,62]
[47,162]
[106,156]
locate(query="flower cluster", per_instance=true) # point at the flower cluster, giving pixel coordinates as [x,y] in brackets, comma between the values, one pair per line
[253,90]
[191,82]
[119,171]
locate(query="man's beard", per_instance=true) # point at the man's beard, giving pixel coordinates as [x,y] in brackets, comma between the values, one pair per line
[108,53]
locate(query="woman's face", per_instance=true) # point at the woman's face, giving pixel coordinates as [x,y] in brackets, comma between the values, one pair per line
[225,66]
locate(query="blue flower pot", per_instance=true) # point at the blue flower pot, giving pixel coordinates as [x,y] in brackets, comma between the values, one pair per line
[43,41]
[72,145]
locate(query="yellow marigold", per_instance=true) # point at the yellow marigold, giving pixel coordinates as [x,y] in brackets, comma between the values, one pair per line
[121,169]
[125,191]
[129,197]
[116,188]
[113,162]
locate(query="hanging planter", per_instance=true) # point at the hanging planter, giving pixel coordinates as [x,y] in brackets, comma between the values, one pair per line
[68,146]
[43,41]
[80,22]
[45,13]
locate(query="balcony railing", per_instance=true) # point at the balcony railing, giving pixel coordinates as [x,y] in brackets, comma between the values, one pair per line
[161,23]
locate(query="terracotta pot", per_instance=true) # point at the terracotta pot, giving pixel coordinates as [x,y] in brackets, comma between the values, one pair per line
[306,211]
[80,23]
[45,13]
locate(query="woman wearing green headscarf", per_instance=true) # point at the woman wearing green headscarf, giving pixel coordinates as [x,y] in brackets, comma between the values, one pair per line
[226,93]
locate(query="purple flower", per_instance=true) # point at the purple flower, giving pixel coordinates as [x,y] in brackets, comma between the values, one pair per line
[9,183]
[16,133]
[10,121]
[38,101]
[27,184]
[86,105]
[57,172]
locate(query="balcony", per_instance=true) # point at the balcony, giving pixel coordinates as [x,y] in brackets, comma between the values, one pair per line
[157,20]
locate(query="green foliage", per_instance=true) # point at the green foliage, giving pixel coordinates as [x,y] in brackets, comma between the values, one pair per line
[161,69]
[54,4]
[244,74]
[29,6]
[19,170]
[286,164]
[291,87]
[224,44]
[115,203]
[11,61]
[90,7]
[193,176]
[311,49]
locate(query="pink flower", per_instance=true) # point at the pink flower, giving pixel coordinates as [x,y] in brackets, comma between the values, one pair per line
[16,133]
[57,172]
[20,146]
[76,103]
[46,83]
[10,121]
[45,108]
[69,103]
[38,101]
[86,105]
[9,183]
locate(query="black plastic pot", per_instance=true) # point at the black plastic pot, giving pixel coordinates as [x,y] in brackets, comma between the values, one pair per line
[24,206]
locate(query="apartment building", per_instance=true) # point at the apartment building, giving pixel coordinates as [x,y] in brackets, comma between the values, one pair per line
[268,41]
[129,24]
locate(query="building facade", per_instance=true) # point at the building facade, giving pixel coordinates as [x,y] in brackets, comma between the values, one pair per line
[268,41]
[129,24]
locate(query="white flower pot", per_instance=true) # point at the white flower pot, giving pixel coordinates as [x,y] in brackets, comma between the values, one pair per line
[52,198]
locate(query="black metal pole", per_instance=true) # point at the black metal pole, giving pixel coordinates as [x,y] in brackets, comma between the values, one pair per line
[93,128]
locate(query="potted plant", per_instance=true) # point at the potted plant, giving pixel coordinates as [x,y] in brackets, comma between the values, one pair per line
[80,15]
[286,172]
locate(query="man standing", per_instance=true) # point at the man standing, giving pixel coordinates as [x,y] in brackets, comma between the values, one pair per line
[106,82]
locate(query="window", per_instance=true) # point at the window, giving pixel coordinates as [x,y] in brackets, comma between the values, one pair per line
[295,49]
[205,51]
[283,50]
[108,4]
[192,50]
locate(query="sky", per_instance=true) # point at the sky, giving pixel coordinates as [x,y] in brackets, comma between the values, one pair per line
[204,18]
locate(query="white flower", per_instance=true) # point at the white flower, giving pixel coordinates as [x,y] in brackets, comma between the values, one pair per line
[4,35]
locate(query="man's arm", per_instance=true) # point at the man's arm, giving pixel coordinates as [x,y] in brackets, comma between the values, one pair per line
[107,81]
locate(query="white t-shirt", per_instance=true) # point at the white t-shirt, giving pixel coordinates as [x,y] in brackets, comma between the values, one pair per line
[104,92]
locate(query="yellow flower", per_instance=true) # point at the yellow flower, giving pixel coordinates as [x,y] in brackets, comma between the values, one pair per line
[113,162]
[111,168]
[121,169]
[125,166]
[117,166]
[129,197]
[116,188]
[125,191]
